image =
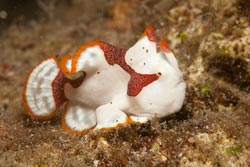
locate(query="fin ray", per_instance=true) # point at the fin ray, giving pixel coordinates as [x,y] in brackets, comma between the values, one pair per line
[77,118]
[38,96]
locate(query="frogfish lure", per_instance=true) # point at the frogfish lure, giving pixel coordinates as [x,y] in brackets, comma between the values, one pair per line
[104,86]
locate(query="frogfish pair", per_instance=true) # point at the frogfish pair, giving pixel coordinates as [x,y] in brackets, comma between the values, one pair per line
[103,86]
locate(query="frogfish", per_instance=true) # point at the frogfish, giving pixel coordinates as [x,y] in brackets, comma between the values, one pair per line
[103,86]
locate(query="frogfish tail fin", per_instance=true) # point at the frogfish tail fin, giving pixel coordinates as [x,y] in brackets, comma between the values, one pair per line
[43,91]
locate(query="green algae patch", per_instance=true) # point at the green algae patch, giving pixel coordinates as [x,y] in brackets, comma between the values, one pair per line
[205,88]
[182,36]
[234,150]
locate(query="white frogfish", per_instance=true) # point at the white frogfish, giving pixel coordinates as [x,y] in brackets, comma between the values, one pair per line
[103,86]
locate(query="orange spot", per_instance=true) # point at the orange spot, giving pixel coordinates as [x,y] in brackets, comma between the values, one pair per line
[25,103]
[129,121]
[150,33]
[78,53]
[164,46]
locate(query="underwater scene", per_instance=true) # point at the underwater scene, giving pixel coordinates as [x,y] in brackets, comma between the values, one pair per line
[113,83]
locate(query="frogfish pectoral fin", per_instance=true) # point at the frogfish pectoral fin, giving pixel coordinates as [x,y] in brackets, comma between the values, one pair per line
[108,116]
[78,119]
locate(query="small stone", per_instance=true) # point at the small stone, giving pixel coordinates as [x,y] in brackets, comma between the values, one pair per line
[164,158]
[3,14]
[96,162]
[103,141]
[191,140]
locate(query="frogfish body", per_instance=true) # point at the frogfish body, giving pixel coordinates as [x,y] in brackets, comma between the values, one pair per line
[104,86]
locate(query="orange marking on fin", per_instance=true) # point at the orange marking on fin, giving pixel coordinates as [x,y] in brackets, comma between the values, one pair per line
[25,103]
[78,53]
[63,62]
[128,121]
